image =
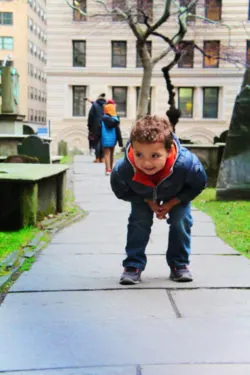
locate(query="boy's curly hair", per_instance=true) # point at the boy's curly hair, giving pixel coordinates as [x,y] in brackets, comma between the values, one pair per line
[151,129]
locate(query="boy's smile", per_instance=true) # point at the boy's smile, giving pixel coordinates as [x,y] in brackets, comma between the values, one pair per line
[150,158]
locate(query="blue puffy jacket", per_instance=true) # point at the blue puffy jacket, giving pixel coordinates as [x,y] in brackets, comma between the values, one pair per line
[108,132]
[186,180]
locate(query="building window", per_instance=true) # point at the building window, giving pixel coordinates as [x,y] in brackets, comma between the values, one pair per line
[187,57]
[6,18]
[119,94]
[213,10]
[192,10]
[79,53]
[149,99]
[185,100]
[119,54]
[248,53]
[31,114]
[212,51]
[77,15]
[6,42]
[119,4]
[210,102]
[138,59]
[79,93]
[144,8]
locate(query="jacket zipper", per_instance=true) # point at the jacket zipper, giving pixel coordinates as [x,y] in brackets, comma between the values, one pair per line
[164,179]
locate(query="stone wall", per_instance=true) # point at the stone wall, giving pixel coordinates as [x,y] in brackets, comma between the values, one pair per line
[210,156]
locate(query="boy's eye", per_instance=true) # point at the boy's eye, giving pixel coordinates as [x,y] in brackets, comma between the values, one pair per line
[138,154]
[155,156]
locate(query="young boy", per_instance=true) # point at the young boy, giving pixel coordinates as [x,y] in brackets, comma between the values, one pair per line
[158,176]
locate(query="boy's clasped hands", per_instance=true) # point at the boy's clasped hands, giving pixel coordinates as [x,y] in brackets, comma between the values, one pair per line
[161,210]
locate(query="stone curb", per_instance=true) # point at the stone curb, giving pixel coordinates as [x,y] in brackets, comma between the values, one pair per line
[12,262]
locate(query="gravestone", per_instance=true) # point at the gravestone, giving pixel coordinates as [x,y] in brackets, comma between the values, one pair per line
[234,175]
[28,130]
[35,147]
[62,148]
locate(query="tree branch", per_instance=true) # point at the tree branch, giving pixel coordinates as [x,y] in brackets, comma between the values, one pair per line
[76,7]
[164,17]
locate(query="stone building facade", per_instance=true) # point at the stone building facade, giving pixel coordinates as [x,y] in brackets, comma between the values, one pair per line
[90,55]
[23,44]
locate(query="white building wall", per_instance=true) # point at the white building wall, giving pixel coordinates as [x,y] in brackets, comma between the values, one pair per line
[99,76]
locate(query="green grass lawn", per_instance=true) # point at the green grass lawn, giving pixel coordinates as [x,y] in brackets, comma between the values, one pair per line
[68,159]
[231,219]
[10,241]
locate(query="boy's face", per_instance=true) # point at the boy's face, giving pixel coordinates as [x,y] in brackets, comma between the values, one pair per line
[150,158]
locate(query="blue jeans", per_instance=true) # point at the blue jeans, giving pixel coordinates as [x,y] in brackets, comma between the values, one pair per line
[139,229]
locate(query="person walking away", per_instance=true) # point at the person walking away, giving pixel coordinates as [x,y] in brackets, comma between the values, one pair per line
[159,177]
[110,134]
[94,126]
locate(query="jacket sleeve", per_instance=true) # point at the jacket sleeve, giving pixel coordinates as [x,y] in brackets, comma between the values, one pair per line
[196,181]
[91,116]
[119,136]
[120,187]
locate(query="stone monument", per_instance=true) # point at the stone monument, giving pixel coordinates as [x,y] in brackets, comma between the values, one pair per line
[11,122]
[234,175]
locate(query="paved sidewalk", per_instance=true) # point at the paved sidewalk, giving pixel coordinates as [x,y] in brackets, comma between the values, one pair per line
[68,315]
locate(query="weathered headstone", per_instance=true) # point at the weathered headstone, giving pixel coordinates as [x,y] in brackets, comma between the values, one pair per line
[234,175]
[62,148]
[28,129]
[36,147]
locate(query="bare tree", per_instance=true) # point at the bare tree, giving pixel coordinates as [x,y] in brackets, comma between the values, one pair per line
[137,14]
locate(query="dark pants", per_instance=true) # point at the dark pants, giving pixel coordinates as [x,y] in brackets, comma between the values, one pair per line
[99,154]
[139,229]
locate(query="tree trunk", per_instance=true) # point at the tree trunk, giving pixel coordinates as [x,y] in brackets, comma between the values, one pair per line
[144,94]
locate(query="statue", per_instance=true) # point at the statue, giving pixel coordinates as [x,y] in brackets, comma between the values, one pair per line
[234,175]
[10,90]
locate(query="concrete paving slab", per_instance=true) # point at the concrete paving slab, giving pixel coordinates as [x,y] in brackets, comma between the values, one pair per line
[51,330]
[200,245]
[96,246]
[98,226]
[213,303]
[125,370]
[211,245]
[102,271]
[100,205]
[197,369]
[93,231]
[198,230]
[199,216]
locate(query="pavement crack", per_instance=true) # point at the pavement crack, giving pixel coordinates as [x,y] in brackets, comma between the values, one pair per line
[173,304]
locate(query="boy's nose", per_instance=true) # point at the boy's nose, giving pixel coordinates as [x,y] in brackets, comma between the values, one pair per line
[147,164]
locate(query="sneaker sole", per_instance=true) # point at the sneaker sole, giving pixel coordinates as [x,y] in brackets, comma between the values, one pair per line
[181,279]
[129,282]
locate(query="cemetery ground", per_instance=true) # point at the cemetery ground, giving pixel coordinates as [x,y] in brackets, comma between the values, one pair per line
[230,219]
[68,314]
[18,249]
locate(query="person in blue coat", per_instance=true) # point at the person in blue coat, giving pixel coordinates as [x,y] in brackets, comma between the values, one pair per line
[110,134]
[157,176]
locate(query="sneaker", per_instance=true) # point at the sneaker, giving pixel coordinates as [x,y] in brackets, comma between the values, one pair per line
[130,276]
[181,274]
[108,172]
